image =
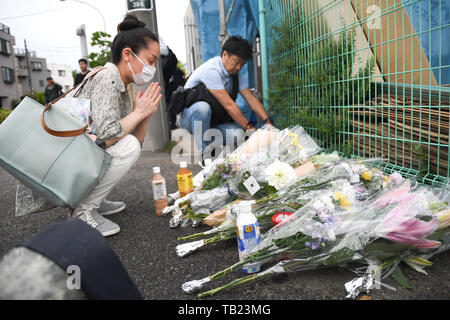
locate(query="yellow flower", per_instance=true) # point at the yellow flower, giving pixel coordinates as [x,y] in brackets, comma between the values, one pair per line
[345,203]
[386,178]
[367,175]
[342,199]
[338,195]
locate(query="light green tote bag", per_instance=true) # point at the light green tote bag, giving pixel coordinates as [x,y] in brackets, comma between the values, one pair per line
[62,164]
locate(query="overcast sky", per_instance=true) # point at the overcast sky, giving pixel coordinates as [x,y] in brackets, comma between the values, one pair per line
[49,26]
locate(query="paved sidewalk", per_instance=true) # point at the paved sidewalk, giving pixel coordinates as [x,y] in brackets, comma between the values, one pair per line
[146,247]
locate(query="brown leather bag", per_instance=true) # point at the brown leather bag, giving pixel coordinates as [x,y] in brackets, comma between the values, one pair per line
[69,133]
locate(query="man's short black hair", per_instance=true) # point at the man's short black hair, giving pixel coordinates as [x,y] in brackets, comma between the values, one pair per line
[83,60]
[49,78]
[237,46]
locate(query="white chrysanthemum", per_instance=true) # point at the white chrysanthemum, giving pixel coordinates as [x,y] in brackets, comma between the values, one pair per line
[280,175]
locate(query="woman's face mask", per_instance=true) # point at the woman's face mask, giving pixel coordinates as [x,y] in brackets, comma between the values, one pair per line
[147,74]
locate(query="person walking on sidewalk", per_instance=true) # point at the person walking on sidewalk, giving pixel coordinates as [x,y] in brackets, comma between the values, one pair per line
[120,128]
[52,90]
[84,70]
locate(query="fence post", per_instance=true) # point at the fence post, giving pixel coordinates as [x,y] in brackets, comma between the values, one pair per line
[263,36]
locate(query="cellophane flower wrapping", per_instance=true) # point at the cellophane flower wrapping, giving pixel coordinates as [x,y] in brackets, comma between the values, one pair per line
[272,165]
[327,233]
[395,220]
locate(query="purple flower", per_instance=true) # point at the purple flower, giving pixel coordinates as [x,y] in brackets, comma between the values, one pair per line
[225,176]
[314,245]
[329,219]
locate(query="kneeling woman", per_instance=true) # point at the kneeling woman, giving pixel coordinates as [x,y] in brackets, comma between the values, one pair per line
[122,128]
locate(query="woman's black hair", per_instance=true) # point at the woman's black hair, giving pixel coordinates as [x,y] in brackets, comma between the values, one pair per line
[237,46]
[132,34]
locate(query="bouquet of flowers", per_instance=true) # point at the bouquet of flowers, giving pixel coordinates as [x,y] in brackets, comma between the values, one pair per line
[400,223]
[275,166]
[231,177]
[288,200]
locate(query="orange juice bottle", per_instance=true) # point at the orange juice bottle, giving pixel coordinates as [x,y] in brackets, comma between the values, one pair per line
[184,178]
[159,191]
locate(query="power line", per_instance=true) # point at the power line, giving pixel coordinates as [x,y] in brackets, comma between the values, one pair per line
[52,47]
[52,50]
[33,14]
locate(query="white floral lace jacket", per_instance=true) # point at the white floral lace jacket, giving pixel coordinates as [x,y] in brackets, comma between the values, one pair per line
[110,102]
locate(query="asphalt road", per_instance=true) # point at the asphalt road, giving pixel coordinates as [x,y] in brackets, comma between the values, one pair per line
[146,247]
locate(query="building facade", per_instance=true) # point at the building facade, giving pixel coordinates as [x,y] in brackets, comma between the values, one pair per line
[8,82]
[34,78]
[17,77]
[62,74]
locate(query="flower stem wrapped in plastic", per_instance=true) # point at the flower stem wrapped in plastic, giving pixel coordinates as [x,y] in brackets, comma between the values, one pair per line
[328,232]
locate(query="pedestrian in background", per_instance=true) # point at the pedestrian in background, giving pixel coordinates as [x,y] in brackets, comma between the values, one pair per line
[52,90]
[84,68]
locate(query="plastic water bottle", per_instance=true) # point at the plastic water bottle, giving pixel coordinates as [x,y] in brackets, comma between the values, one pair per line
[185,180]
[159,191]
[248,235]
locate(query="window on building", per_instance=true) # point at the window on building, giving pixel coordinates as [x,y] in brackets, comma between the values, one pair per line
[62,73]
[5,47]
[41,83]
[8,75]
[4,28]
[36,66]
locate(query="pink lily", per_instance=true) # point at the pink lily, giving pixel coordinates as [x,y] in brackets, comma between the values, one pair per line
[401,226]
[397,195]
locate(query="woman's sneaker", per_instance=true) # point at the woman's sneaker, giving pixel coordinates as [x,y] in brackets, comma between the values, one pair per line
[110,207]
[105,226]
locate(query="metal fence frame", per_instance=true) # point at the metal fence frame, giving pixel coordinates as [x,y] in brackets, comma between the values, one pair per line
[319,56]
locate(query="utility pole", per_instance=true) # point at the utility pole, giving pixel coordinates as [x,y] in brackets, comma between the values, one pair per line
[158,129]
[81,32]
[27,57]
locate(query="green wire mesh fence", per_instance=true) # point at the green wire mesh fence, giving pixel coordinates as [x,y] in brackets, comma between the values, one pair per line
[368,78]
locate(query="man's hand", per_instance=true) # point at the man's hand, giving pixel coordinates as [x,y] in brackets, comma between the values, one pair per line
[249,132]
[269,125]
[146,104]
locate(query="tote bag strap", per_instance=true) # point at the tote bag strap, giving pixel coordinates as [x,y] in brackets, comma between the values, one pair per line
[69,133]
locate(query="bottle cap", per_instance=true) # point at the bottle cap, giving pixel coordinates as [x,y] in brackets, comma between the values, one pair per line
[183,164]
[156,170]
[208,162]
[245,207]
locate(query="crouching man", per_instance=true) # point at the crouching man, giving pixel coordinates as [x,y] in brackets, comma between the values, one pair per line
[222,79]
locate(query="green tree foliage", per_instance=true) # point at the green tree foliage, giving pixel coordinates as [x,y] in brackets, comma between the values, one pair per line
[38,96]
[100,40]
[311,79]
[4,113]
[182,67]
